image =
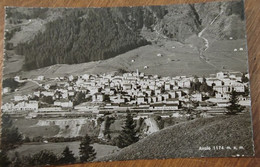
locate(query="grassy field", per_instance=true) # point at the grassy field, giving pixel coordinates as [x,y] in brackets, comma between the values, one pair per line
[185,139]
[29,28]
[13,63]
[26,89]
[56,127]
[68,127]
[28,128]
[57,148]
[221,54]
[176,59]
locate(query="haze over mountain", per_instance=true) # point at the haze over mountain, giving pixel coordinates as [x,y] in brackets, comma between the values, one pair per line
[92,34]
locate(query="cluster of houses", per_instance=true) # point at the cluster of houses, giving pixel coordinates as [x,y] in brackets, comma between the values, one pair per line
[130,91]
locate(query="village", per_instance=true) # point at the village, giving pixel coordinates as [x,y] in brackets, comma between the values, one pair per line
[132,91]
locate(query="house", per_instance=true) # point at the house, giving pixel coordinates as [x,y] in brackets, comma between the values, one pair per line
[64,94]
[85,76]
[152,87]
[21,106]
[222,89]
[247,75]
[94,89]
[31,105]
[47,93]
[176,115]
[20,98]
[157,92]
[217,100]
[196,97]
[83,90]
[50,109]
[239,87]
[185,91]
[184,99]
[47,86]
[40,78]
[127,86]
[179,93]
[162,106]
[7,107]
[65,103]
[71,78]
[167,86]
[175,87]
[117,99]
[236,75]
[79,82]
[149,100]
[165,96]
[144,87]
[148,92]
[172,94]
[140,100]
[213,82]
[98,97]
[37,94]
[71,93]
[223,104]
[6,90]
[159,98]
[244,101]
[185,83]
[140,93]
[222,95]
[221,75]
[171,107]
[17,78]
[154,99]
[172,101]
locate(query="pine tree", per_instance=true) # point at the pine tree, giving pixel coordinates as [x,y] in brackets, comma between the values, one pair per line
[67,157]
[86,151]
[10,134]
[4,161]
[16,161]
[79,98]
[128,135]
[204,86]
[234,107]
[244,79]
[44,157]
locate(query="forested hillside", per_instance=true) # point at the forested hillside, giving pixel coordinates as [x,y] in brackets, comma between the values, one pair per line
[80,37]
[92,34]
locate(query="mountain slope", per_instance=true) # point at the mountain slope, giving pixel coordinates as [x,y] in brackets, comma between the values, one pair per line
[79,37]
[184,140]
[92,34]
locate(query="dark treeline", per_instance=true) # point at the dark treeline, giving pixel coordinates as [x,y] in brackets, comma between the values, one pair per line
[88,35]
[11,83]
[28,13]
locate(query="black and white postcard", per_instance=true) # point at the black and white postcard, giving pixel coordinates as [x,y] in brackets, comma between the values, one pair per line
[125,83]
